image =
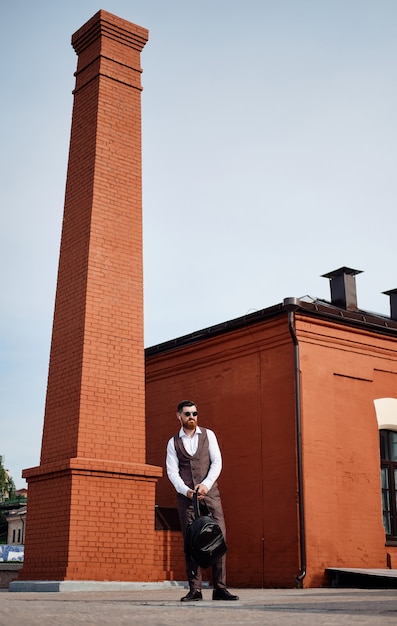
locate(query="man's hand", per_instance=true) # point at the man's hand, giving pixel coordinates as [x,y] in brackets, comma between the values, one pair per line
[202,491]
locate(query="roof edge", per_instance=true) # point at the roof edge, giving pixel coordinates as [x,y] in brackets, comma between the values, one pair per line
[317,308]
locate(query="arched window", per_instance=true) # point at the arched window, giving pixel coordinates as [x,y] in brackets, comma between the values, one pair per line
[386,415]
[388,456]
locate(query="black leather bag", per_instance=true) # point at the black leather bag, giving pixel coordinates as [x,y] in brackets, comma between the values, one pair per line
[204,542]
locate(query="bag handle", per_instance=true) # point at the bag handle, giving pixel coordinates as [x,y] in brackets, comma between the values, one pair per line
[196,507]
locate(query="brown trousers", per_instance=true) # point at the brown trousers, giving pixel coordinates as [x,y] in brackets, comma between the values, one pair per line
[186,515]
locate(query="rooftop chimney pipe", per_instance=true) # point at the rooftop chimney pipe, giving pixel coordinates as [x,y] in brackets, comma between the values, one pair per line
[343,287]
[393,303]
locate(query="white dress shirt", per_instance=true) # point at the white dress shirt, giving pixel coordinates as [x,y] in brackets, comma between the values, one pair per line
[191,445]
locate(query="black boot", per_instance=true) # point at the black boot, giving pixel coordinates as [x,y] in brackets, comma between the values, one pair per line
[193,596]
[223,594]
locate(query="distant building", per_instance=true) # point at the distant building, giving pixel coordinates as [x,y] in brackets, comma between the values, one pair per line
[15,514]
[16,520]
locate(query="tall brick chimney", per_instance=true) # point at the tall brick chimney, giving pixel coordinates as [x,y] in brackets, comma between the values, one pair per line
[91,500]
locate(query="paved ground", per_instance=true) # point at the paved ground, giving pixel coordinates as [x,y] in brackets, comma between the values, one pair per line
[278,607]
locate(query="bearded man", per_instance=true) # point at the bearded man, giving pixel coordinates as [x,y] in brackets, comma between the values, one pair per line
[194,463]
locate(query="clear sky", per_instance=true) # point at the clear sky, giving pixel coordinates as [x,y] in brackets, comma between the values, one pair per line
[269,159]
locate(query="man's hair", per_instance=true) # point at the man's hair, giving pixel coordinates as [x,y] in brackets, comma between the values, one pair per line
[185,403]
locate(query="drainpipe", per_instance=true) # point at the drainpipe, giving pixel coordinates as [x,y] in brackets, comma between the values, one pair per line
[292,304]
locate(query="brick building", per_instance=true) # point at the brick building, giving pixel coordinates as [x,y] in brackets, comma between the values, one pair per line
[297,394]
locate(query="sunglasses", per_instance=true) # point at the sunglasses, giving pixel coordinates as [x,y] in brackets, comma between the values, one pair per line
[187,413]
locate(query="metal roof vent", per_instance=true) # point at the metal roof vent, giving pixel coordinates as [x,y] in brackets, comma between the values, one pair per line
[343,287]
[393,303]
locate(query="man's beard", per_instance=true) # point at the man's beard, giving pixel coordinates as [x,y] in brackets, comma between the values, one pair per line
[190,424]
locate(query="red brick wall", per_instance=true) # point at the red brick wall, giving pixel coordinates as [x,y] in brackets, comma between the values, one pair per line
[243,385]
[101,526]
[168,555]
[46,550]
[342,373]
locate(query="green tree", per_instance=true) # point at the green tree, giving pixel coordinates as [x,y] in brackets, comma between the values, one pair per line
[7,485]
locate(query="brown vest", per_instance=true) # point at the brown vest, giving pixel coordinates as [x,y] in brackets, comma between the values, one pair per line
[193,469]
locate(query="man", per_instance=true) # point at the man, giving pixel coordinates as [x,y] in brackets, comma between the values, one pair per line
[194,463]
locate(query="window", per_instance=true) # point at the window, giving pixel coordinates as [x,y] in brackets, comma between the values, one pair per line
[388,455]
[166,519]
